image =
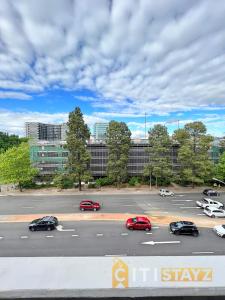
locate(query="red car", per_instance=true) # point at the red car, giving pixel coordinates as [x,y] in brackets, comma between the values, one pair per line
[89,205]
[141,223]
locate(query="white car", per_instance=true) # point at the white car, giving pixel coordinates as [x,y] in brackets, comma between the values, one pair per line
[209,202]
[164,193]
[214,212]
[220,230]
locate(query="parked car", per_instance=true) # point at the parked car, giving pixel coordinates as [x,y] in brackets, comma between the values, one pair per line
[89,205]
[45,223]
[184,227]
[214,212]
[210,192]
[209,202]
[139,223]
[220,230]
[164,192]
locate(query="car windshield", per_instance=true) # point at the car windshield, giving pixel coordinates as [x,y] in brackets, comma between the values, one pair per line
[223,226]
[134,220]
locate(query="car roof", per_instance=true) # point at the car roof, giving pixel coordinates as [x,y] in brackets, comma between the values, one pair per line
[87,200]
[139,219]
[48,218]
[186,223]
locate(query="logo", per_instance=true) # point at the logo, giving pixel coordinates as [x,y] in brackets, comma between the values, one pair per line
[119,274]
[186,274]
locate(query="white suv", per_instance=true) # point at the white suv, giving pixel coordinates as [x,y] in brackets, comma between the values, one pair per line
[209,202]
[164,193]
[214,212]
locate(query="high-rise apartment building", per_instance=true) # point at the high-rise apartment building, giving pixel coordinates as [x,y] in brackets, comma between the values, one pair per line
[100,131]
[45,132]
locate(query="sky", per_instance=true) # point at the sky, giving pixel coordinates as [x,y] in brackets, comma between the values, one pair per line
[126,60]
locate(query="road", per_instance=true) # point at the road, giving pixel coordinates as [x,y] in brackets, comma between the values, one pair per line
[101,237]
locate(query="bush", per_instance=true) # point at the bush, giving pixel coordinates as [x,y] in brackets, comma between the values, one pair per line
[92,185]
[63,181]
[134,181]
[104,181]
[28,184]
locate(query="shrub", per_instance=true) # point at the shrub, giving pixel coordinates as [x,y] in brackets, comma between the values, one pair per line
[104,181]
[134,181]
[63,181]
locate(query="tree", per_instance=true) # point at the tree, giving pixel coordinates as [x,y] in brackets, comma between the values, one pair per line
[15,166]
[77,136]
[193,156]
[118,140]
[7,141]
[220,168]
[160,164]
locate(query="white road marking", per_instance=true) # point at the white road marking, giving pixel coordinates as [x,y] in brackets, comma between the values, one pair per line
[124,233]
[1,237]
[203,252]
[49,236]
[99,234]
[155,227]
[148,232]
[60,228]
[155,243]
[190,207]
[200,214]
[180,195]
[27,206]
[24,237]
[129,205]
[75,235]
[183,200]
[111,255]
[178,204]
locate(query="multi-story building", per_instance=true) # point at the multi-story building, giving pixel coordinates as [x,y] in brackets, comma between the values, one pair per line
[51,157]
[46,132]
[100,131]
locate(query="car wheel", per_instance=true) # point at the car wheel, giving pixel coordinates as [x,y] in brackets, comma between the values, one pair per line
[176,232]
[32,229]
[221,207]
[213,216]
[130,228]
[195,234]
[48,228]
[147,229]
[94,209]
[82,209]
[223,236]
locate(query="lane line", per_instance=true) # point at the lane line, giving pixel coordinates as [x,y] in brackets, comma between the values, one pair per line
[148,232]
[1,237]
[191,207]
[24,237]
[203,252]
[49,236]
[178,204]
[27,206]
[112,255]
[200,214]
[75,235]
[155,227]
[124,233]
[99,234]
[183,200]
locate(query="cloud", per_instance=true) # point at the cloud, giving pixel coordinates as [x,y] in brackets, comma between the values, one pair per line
[14,95]
[138,56]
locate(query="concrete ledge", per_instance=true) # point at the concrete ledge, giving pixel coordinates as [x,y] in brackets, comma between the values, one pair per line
[213,293]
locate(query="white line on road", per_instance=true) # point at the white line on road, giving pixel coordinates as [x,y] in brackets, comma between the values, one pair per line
[1,237]
[99,234]
[111,255]
[148,232]
[75,235]
[203,252]
[178,204]
[155,243]
[129,205]
[27,206]
[155,227]
[200,214]
[24,237]
[49,236]
[190,207]
[124,233]
[183,200]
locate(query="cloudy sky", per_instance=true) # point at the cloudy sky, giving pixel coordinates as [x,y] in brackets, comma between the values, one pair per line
[115,59]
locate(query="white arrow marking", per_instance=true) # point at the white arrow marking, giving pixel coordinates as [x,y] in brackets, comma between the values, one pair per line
[60,228]
[155,243]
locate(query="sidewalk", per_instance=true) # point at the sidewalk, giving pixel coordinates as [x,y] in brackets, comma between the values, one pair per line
[145,190]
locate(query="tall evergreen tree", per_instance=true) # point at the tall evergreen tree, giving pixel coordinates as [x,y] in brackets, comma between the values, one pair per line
[160,164]
[77,137]
[118,140]
[193,155]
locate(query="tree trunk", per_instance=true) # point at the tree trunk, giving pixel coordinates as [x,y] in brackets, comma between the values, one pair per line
[150,181]
[20,187]
[79,181]
[156,182]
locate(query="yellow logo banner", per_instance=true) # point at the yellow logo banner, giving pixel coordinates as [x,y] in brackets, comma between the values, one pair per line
[186,274]
[120,274]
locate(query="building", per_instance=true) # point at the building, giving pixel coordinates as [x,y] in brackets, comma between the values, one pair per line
[51,157]
[45,132]
[100,131]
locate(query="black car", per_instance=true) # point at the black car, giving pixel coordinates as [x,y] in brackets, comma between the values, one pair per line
[210,192]
[45,223]
[184,227]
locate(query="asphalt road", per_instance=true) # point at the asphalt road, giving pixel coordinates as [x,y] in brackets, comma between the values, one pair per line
[99,238]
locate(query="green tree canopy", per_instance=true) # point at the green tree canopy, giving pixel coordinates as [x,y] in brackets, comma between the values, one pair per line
[15,165]
[118,140]
[220,168]
[7,141]
[193,154]
[77,136]
[160,164]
